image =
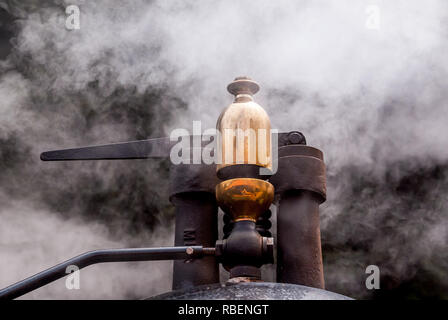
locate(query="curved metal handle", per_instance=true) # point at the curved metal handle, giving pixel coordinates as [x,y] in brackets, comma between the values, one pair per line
[99,256]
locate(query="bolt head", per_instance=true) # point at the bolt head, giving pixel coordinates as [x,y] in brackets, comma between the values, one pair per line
[295,137]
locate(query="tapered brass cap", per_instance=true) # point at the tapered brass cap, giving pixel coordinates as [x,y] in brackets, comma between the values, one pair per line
[245,128]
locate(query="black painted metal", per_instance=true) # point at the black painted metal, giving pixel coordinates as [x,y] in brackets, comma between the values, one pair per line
[292,137]
[300,168]
[300,187]
[196,222]
[299,184]
[193,195]
[99,256]
[264,224]
[192,178]
[299,255]
[227,225]
[142,149]
[241,171]
[244,251]
[251,291]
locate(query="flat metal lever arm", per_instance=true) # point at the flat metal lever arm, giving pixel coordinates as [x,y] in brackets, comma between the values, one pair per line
[99,256]
[141,149]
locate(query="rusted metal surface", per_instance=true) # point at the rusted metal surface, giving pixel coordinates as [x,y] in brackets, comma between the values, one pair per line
[192,193]
[300,168]
[192,178]
[299,255]
[196,222]
[300,188]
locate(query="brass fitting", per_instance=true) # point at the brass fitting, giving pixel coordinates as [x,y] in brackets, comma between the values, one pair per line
[245,146]
[244,128]
[244,198]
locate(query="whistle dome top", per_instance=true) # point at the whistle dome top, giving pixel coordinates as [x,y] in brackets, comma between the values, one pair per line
[243,85]
[245,131]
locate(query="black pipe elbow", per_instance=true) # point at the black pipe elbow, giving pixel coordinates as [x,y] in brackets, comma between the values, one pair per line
[245,250]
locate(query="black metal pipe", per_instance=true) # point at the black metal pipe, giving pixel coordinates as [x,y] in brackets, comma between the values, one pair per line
[196,222]
[299,254]
[300,188]
[99,256]
[245,250]
[193,195]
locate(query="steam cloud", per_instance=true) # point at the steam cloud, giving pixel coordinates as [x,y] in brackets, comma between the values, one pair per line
[375,101]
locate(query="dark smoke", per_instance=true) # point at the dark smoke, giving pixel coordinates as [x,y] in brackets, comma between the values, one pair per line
[52,211]
[374,101]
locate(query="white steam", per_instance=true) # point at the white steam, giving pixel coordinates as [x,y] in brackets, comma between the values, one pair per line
[369,98]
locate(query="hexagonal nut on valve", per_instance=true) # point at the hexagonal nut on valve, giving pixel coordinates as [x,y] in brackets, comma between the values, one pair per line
[268,249]
[219,248]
